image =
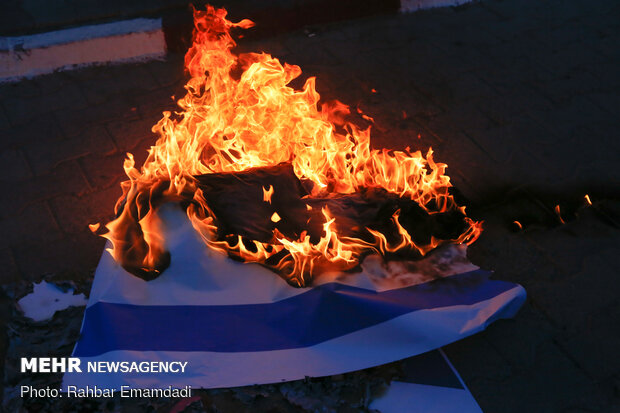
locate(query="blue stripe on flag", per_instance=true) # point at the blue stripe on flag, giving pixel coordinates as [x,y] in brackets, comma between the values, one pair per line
[319,314]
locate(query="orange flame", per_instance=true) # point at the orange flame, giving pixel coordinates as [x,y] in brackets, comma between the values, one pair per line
[559,213]
[267,193]
[230,123]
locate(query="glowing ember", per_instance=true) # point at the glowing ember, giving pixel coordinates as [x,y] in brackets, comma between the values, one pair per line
[239,113]
[559,214]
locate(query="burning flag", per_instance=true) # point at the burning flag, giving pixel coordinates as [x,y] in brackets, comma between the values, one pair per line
[267,176]
[236,324]
[256,171]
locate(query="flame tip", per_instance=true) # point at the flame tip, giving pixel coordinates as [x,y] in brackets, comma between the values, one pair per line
[240,112]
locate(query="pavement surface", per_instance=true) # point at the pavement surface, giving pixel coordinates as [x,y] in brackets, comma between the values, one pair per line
[520,99]
[21,17]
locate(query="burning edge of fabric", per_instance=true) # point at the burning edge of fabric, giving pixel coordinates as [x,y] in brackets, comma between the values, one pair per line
[267,175]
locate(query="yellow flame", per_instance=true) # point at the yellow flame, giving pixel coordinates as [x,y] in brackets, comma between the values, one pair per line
[231,123]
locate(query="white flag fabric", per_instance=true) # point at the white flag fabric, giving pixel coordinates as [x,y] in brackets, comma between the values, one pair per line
[240,324]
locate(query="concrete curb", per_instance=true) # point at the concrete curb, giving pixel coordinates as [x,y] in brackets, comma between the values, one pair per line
[407,6]
[128,40]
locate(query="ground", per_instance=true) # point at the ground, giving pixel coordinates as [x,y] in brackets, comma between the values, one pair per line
[519,98]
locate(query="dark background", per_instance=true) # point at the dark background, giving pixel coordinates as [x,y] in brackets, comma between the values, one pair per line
[520,98]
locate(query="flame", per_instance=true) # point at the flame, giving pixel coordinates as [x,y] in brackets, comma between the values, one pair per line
[559,214]
[267,193]
[239,112]
[587,198]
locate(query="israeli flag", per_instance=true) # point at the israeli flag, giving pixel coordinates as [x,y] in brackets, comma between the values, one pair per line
[240,324]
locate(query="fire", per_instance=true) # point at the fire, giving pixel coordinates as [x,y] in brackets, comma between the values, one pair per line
[240,113]
[267,193]
[559,213]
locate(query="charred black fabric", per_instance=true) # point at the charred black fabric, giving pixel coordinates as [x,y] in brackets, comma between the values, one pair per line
[237,202]
[134,248]
[236,199]
[375,208]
